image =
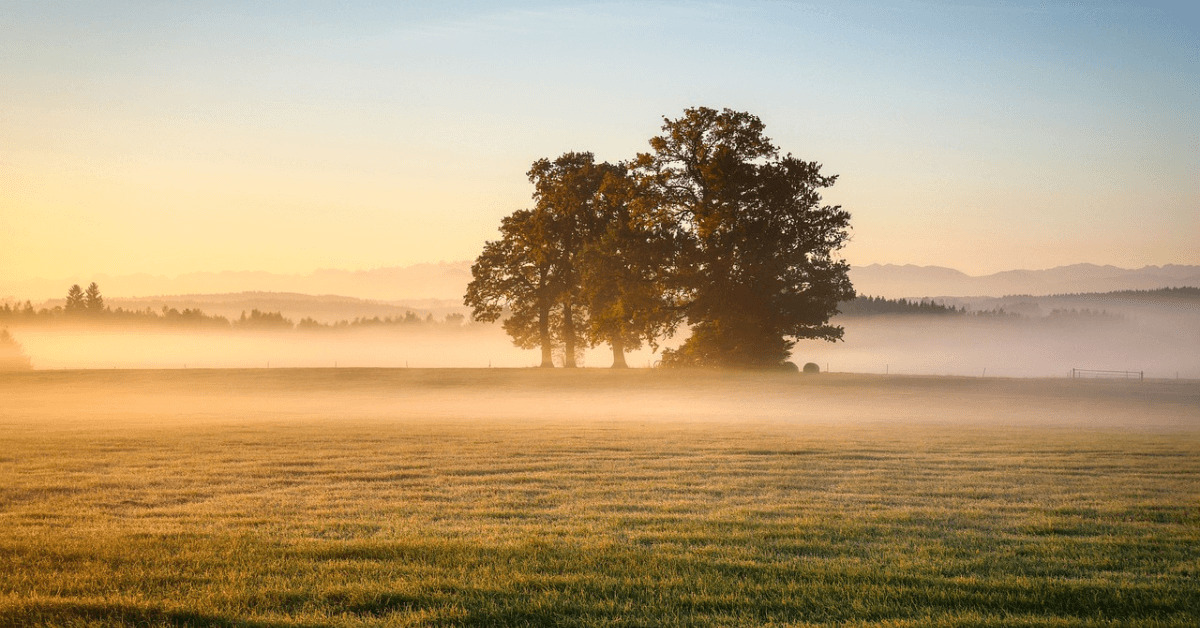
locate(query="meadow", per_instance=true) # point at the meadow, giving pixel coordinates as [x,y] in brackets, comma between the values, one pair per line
[521,497]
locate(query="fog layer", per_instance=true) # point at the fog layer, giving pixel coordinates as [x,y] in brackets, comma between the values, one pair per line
[1165,345]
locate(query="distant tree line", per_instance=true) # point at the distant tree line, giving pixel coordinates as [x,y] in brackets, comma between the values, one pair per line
[875,306]
[1074,315]
[1184,294]
[410,318]
[868,306]
[87,306]
[713,227]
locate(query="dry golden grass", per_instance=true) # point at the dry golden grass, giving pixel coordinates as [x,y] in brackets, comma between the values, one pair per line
[501,497]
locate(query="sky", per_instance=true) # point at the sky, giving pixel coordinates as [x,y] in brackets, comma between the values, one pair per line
[286,137]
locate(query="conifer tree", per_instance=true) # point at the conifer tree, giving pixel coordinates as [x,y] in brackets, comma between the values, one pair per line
[75,300]
[93,302]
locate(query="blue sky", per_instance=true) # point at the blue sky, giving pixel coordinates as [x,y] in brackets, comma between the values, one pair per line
[292,136]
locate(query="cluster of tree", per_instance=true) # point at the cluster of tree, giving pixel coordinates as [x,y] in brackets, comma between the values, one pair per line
[410,318]
[88,305]
[1186,294]
[870,306]
[12,355]
[714,227]
[81,301]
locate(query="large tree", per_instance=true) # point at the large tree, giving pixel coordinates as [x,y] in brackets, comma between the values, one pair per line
[584,266]
[514,274]
[757,243]
[565,192]
[624,268]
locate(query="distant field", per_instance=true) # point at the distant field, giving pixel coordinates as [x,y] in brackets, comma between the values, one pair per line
[360,497]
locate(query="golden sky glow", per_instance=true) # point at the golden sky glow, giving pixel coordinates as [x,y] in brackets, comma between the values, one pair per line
[293,137]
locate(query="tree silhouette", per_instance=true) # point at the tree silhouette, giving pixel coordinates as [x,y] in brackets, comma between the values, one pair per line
[584,266]
[255,320]
[714,225]
[76,302]
[514,273]
[757,264]
[93,302]
[565,193]
[625,267]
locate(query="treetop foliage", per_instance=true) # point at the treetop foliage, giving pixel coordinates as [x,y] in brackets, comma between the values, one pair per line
[714,227]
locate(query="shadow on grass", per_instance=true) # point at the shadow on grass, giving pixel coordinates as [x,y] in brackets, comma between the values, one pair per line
[552,584]
[561,584]
[73,613]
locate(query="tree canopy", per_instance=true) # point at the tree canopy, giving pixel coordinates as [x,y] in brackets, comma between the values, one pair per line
[713,226]
[514,273]
[759,271]
[93,302]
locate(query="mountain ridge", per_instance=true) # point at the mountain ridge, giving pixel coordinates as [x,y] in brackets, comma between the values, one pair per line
[446,281]
[912,281]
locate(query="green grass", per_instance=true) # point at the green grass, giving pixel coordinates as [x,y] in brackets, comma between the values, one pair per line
[485,498]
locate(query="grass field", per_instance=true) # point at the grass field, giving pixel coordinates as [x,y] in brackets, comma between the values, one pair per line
[595,498]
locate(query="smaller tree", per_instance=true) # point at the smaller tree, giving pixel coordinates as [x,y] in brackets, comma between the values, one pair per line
[514,274]
[93,302]
[624,269]
[565,191]
[76,301]
[258,320]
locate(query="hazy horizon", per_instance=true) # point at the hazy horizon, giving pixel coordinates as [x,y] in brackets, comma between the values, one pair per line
[426,284]
[580,313]
[286,138]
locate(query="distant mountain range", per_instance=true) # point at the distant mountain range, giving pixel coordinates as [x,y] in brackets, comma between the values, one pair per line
[441,285]
[890,280]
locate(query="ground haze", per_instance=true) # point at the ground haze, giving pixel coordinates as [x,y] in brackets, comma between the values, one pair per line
[456,497]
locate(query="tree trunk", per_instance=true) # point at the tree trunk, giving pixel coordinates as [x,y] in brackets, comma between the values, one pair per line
[547,343]
[618,347]
[568,336]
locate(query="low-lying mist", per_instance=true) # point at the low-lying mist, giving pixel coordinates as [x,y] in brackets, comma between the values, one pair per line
[1165,345]
[475,346]
[1010,346]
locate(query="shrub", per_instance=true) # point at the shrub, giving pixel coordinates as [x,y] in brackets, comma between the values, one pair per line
[12,356]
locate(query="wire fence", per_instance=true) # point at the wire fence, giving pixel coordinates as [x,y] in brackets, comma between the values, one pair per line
[1098,373]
